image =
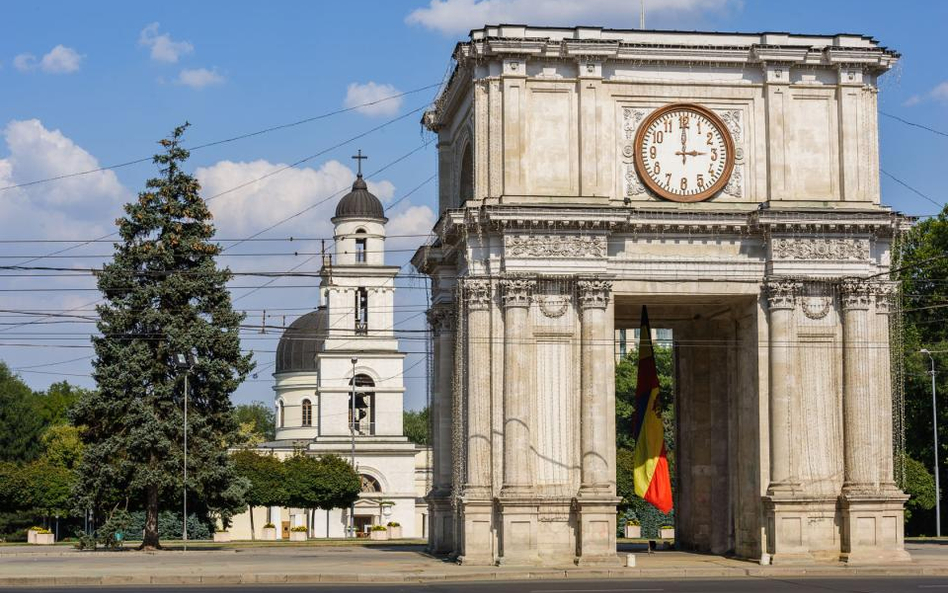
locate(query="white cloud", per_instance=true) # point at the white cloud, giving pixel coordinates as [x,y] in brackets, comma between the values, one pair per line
[938,94]
[77,206]
[24,62]
[266,202]
[59,60]
[198,78]
[359,94]
[453,17]
[413,220]
[163,47]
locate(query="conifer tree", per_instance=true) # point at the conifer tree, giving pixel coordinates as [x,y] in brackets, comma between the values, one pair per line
[163,295]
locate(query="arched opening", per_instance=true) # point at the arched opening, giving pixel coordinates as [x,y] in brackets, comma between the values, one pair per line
[370,484]
[466,186]
[360,246]
[307,413]
[363,406]
[361,311]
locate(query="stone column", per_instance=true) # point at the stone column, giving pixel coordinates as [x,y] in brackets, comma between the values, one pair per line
[596,502]
[518,404]
[440,515]
[596,353]
[872,529]
[475,537]
[858,406]
[885,295]
[518,505]
[780,304]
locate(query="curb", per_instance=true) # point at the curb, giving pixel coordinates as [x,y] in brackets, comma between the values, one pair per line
[485,575]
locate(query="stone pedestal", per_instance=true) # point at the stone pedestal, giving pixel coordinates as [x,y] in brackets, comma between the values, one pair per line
[873,527]
[518,541]
[441,524]
[800,529]
[476,545]
[596,541]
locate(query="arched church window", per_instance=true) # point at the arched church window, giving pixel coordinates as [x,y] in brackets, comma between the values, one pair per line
[280,414]
[466,187]
[360,243]
[363,406]
[307,413]
[370,484]
[361,311]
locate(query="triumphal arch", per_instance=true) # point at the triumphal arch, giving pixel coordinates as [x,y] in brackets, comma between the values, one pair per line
[731,183]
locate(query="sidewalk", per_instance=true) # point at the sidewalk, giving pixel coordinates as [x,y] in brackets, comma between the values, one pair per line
[226,564]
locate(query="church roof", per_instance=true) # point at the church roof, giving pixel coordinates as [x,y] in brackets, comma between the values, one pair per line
[299,343]
[360,203]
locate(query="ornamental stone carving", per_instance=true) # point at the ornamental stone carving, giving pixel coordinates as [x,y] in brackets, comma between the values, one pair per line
[855,293]
[555,246]
[476,293]
[594,293]
[886,293]
[441,319]
[518,292]
[781,294]
[820,249]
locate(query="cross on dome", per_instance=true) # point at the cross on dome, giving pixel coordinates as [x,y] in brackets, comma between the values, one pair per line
[359,158]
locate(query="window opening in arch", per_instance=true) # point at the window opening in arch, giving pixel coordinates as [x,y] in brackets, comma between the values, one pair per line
[370,484]
[360,245]
[361,311]
[466,188]
[364,405]
[307,413]
[280,413]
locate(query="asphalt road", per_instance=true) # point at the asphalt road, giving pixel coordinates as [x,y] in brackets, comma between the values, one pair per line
[742,585]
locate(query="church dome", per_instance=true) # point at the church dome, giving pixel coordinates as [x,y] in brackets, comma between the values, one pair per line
[360,203]
[299,343]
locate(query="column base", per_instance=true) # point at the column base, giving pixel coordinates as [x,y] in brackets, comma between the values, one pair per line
[873,525]
[799,529]
[441,524]
[518,535]
[476,537]
[596,535]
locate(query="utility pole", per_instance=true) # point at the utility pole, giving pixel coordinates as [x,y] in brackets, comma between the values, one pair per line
[352,419]
[185,362]
[642,15]
[935,430]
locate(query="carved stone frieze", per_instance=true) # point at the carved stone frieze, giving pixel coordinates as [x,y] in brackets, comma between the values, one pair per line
[476,293]
[820,249]
[735,185]
[816,307]
[732,118]
[855,293]
[594,293]
[631,118]
[553,305]
[886,294]
[554,246]
[518,292]
[781,293]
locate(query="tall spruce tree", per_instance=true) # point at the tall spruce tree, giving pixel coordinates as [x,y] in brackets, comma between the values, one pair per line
[163,295]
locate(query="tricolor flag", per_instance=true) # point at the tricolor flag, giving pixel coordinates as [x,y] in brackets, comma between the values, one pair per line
[650,464]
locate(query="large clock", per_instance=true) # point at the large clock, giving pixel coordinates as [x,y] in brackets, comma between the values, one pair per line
[684,152]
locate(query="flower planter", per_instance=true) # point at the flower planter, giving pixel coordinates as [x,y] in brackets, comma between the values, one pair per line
[298,536]
[633,531]
[395,532]
[31,536]
[378,535]
[221,536]
[269,533]
[45,539]
[666,533]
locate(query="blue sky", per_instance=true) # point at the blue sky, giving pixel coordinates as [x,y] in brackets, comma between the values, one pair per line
[97,83]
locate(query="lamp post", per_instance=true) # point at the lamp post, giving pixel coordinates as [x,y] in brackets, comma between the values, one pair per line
[185,361]
[352,419]
[935,430]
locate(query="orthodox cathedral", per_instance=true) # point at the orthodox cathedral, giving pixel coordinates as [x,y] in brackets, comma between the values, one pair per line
[339,385]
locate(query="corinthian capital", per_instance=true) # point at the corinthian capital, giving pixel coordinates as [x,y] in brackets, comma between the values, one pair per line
[518,291]
[594,294]
[886,293]
[476,293]
[781,293]
[441,319]
[855,293]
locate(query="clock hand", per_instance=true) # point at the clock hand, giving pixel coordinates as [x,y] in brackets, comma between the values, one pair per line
[684,145]
[691,153]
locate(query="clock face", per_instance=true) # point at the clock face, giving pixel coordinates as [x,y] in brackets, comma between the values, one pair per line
[684,152]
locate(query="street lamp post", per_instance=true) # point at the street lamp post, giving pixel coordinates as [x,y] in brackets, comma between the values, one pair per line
[352,418]
[935,429]
[185,361]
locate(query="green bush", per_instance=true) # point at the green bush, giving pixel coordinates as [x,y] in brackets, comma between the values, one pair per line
[269,526]
[299,529]
[394,524]
[169,526]
[379,528]
[645,515]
